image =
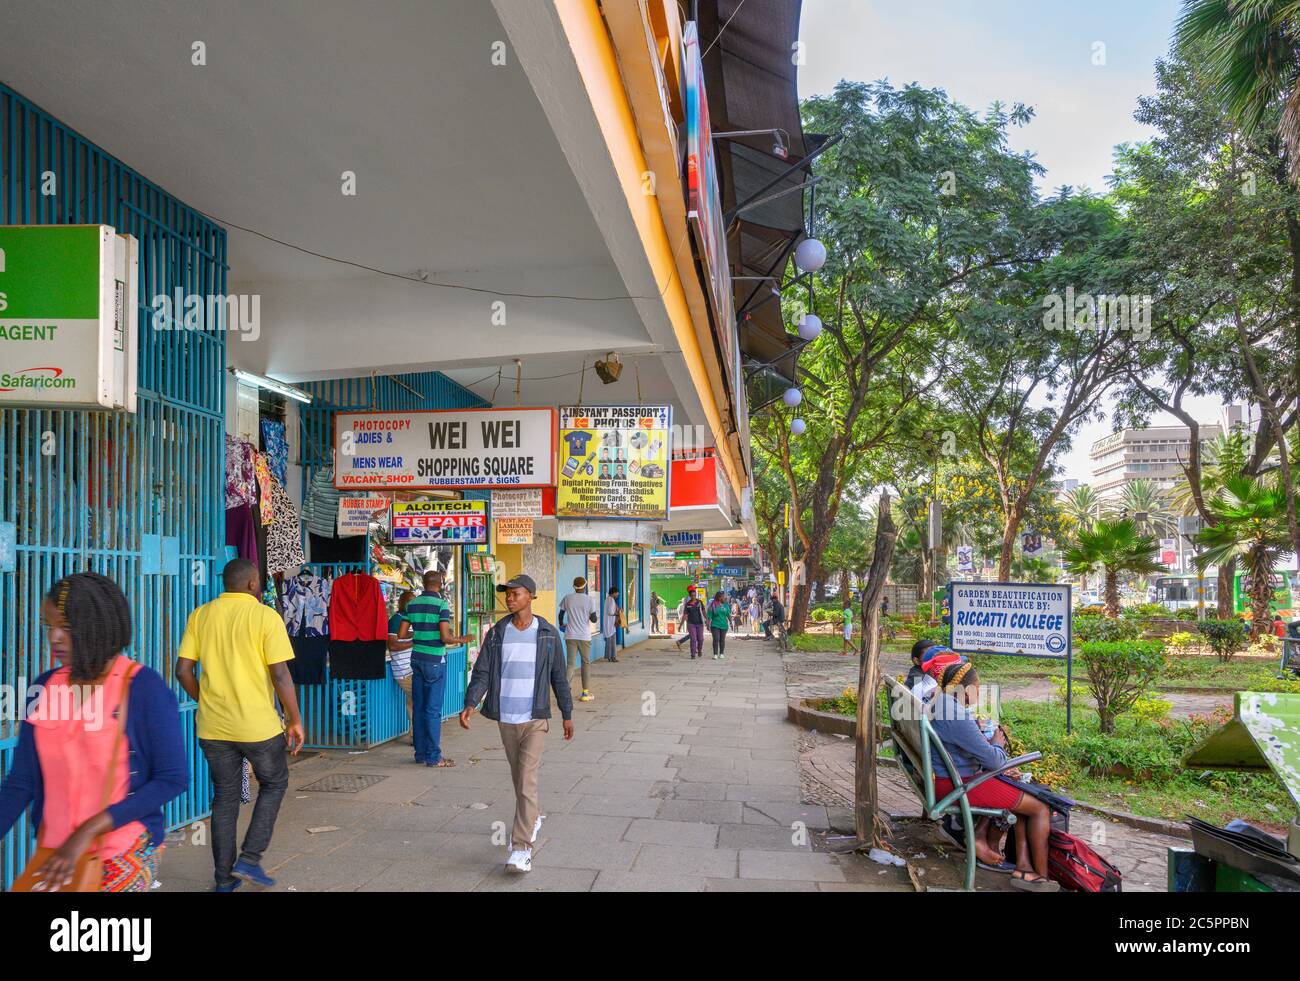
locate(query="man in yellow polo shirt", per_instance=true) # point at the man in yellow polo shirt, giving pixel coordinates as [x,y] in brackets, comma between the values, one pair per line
[242,650]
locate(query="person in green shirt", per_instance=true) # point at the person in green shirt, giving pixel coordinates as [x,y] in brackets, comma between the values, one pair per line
[847,613]
[719,619]
[430,617]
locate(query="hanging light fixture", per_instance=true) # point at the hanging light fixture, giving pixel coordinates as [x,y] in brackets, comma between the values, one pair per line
[792,397]
[810,325]
[797,426]
[810,255]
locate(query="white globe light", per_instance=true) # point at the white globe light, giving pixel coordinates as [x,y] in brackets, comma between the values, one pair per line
[810,325]
[792,397]
[797,426]
[810,255]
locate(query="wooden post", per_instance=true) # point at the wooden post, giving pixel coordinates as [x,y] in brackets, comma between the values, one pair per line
[865,797]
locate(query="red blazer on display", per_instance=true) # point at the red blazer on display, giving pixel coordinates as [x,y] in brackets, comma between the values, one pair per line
[357,610]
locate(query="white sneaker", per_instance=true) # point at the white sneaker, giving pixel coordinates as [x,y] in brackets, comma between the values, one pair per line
[520,862]
[537,826]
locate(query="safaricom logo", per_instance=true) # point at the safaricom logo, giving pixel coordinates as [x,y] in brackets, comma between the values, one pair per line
[26,380]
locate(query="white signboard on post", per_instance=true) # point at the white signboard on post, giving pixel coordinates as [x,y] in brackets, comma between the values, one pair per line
[420,450]
[1029,619]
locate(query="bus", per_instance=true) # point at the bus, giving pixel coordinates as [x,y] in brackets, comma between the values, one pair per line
[1179,592]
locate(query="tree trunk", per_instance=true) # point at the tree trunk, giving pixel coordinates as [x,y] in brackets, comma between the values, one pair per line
[866,809]
[799,609]
[1112,594]
[1261,593]
[1223,602]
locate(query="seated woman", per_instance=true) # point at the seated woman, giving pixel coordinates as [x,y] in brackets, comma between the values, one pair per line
[954,723]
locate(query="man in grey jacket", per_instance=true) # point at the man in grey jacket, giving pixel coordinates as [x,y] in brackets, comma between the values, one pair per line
[520,661]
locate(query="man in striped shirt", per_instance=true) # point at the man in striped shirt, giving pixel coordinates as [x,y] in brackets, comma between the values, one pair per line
[430,618]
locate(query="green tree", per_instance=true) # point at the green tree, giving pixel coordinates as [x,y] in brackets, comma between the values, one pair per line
[1082,507]
[1118,549]
[1252,55]
[1250,525]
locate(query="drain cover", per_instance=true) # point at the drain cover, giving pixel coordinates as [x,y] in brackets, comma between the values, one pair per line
[344,783]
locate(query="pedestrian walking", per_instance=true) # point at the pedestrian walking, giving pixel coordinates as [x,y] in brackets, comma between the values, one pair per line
[243,649]
[430,617]
[610,622]
[847,615]
[692,619]
[654,612]
[520,662]
[99,752]
[719,619]
[578,612]
[400,639]
[755,614]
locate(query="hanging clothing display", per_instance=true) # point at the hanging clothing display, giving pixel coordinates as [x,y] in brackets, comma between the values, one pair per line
[358,621]
[320,509]
[262,472]
[241,531]
[277,449]
[306,618]
[284,537]
[241,480]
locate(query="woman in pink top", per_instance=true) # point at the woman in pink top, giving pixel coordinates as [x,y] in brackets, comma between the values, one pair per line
[89,785]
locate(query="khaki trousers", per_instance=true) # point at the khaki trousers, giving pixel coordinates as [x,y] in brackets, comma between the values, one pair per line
[523,745]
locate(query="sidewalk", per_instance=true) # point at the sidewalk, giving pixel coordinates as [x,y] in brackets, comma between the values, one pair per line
[682,775]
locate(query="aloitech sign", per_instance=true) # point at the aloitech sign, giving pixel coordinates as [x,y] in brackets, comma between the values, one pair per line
[680,540]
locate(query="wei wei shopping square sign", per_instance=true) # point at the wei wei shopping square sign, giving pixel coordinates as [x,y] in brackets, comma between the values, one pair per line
[467,448]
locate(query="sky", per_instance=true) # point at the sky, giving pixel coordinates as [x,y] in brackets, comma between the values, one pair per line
[1082,64]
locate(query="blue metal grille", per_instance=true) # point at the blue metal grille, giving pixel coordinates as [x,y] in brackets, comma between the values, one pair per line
[366,713]
[97,491]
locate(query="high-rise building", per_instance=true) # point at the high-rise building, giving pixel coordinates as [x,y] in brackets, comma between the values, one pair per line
[1151,454]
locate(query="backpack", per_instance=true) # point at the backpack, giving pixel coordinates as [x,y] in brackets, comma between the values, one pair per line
[1078,868]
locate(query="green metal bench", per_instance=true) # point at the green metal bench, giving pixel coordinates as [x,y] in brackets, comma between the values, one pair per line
[913,737]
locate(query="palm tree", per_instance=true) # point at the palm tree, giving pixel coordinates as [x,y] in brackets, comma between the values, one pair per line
[1082,506]
[1116,546]
[1146,497]
[1251,49]
[1250,524]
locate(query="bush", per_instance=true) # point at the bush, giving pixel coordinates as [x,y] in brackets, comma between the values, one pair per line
[1267,646]
[1088,628]
[1182,641]
[1147,610]
[1120,673]
[1095,610]
[921,632]
[924,610]
[1185,614]
[1225,637]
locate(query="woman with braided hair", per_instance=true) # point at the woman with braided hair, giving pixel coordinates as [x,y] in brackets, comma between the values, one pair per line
[972,753]
[100,751]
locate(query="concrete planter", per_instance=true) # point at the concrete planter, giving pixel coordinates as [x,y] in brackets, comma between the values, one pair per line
[804,714]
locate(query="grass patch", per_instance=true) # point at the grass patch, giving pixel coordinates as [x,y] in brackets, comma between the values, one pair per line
[1138,768]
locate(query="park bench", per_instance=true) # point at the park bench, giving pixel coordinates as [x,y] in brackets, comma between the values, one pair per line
[913,735]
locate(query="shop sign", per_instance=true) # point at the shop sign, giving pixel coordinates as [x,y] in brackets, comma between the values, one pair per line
[440,522]
[356,513]
[724,551]
[731,570]
[1011,618]
[514,531]
[614,461]
[525,503]
[419,450]
[675,540]
[600,548]
[68,316]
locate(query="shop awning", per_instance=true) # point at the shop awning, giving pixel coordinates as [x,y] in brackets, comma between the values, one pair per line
[752,84]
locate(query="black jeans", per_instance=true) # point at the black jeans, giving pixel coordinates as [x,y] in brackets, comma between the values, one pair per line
[719,640]
[225,764]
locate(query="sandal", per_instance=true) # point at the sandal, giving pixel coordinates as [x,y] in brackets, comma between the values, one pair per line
[1033,882]
[1006,868]
[444,762]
